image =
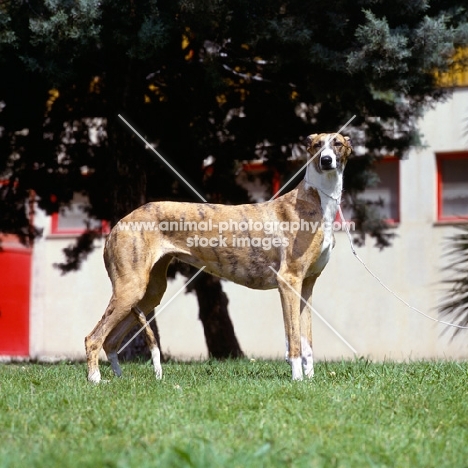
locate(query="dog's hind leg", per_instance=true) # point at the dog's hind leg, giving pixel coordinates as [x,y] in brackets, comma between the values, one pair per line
[114,340]
[150,341]
[306,326]
[129,286]
[124,297]
[154,292]
[151,299]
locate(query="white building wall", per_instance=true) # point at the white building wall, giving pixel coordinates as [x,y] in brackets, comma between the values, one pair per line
[378,326]
[64,308]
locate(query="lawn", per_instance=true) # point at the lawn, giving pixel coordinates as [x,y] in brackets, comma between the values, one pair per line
[235,414]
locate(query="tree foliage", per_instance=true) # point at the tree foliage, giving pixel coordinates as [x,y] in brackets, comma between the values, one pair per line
[230,79]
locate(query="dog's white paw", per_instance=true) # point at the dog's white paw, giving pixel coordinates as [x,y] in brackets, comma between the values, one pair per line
[94,377]
[158,372]
[156,358]
[296,366]
[308,365]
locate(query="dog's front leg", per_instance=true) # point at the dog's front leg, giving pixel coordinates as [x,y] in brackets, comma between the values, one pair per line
[290,288]
[306,326]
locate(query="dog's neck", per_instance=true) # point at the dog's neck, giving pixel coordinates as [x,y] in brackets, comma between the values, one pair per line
[328,184]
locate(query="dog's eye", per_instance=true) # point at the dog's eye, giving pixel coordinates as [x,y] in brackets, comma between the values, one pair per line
[338,144]
[317,145]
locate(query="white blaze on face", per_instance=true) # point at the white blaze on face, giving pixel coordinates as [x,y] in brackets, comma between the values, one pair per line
[327,156]
[325,161]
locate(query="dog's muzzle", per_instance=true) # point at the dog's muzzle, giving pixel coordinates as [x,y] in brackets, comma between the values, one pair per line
[327,162]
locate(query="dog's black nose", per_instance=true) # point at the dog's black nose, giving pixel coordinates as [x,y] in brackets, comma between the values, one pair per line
[326,162]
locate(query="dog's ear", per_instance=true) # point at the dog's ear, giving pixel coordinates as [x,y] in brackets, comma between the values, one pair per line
[310,139]
[349,143]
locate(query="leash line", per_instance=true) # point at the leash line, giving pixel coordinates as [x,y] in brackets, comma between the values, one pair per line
[353,249]
[336,199]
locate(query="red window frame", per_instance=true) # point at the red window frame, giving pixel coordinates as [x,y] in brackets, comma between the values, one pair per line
[55,230]
[259,167]
[440,157]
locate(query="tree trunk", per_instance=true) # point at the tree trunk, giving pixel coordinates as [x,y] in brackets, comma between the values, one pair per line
[213,313]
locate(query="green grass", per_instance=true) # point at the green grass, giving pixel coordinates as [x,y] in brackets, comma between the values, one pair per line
[235,414]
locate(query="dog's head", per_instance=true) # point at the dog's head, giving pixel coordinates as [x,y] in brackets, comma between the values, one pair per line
[331,149]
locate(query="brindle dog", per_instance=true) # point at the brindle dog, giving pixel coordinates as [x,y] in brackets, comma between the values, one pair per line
[283,243]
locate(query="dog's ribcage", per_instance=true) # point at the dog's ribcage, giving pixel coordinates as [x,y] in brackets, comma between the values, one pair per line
[242,261]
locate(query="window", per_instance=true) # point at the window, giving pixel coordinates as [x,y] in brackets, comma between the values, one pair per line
[386,193]
[72,220]
[256,178]
[452,186]
[387,190]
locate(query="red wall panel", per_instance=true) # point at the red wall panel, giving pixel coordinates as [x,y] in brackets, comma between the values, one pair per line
[15,283]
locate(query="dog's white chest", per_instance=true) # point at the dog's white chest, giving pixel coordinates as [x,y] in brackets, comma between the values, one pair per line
[329,209]
[329,189]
